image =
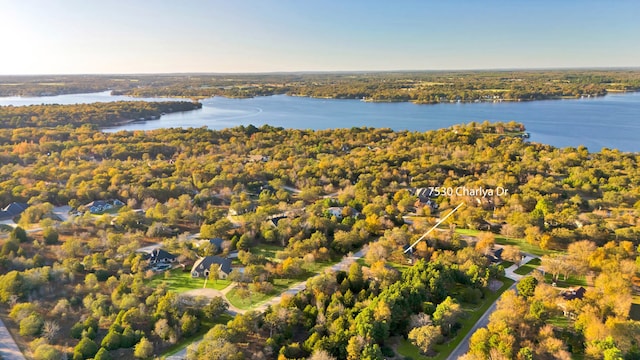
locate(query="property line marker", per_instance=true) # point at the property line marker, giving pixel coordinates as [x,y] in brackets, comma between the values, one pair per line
[434,226]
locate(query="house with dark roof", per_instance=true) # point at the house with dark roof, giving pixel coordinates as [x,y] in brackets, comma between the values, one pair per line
[159,256]
[202,266]
[572,294]
[12,210]
[494,255]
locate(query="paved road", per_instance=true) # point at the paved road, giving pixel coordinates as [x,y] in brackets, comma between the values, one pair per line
[463,346]
[8,348]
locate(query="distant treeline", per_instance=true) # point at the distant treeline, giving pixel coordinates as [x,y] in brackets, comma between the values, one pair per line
[419,87]
[100,114]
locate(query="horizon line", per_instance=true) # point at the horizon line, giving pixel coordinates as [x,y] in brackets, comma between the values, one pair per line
[310,72]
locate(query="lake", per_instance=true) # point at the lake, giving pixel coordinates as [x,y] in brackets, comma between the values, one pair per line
[612,121]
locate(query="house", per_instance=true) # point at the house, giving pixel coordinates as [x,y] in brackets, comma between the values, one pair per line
[98,206]
[159,256]
[572,294]
[422,202]
[568,309]
[202,266]
[341,212]
[494,255]
[12,210]
[258,158]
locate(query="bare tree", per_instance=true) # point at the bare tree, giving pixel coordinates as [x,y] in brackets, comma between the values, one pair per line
[50,329]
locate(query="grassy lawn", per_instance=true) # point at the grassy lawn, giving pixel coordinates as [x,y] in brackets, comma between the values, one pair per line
[268,251]
[318,267]
[528,267]
[502,240]
[571,281]
[469,232]
[181,281]
[506,264]
[472,316]
[559,321]
[407,349]
[204,327]
[279,286]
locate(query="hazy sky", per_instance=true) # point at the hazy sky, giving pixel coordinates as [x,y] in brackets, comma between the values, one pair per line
[90,36]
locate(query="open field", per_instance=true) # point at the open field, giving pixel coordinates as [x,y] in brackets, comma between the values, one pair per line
[181,281]
[502,240]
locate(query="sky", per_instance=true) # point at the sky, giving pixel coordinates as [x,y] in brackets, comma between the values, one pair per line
[237,36]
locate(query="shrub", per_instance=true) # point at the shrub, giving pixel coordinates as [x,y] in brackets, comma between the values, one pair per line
[31,325]
[86,348]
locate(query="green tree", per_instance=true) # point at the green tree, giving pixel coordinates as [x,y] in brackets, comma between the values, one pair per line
[447,314]
[47,352]
[31,325]
[111,341]
[527,286]
[50,236]
[85,349]
[18,234]
[143,349]
[102,354]
[216,307]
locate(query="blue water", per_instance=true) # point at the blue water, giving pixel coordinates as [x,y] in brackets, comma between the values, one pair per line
[612,121]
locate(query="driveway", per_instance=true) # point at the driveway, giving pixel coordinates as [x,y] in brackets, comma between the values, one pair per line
[292,290]
[149,249]
[8,348]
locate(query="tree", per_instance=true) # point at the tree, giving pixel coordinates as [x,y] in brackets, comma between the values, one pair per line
[512,253]
[371,352]
[354,347]
[162,329]
[189,324]
[321,355]
[355,277]
[47,352]
[527,286]
[111,341]
[50,329]
[18,234]
[447,314]
[425,337]
[143,349]
[216,307]
[31,325]
[50,236]
[215,349]
[579,254]
[85,349]
[102,354]
[485,243]
[218,229]
[10,246]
